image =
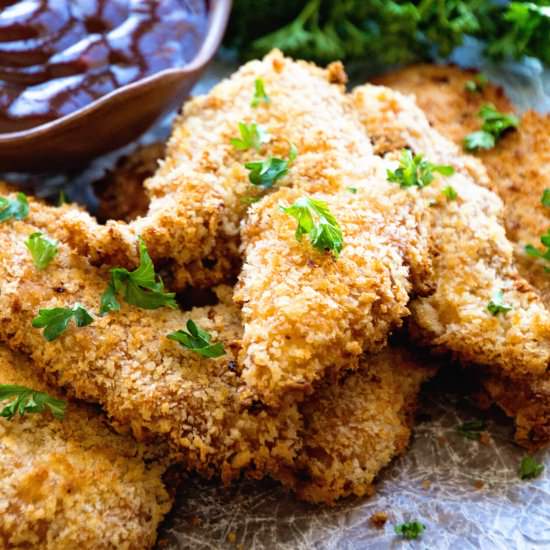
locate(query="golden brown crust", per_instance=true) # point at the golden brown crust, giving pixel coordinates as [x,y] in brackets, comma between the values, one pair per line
[125,362]
[518,170]
[474,258]
[74,482]
[353,428]
[307,314]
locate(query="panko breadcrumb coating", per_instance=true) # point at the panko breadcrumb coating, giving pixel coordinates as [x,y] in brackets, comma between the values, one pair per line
[518,167]
[143,380]
[474,260]
[353,428]
[73,483]
[125,362]
[201,190]
[307,314]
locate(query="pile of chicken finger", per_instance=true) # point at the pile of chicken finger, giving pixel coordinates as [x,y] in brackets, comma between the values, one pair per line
[318,223]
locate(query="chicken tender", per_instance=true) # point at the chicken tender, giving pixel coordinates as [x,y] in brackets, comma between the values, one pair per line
[518,169]
[353,429]
[73,483]
[474,260]
[307,314]
[201,190]
[125,362]
[517,166]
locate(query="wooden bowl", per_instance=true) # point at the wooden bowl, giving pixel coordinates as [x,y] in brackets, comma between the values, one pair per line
[113,120]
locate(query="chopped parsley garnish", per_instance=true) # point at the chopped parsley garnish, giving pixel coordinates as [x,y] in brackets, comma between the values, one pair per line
[477,83]
[55,320]
[197,340]
[42,249]
[17,208]
[497,305]
[545,198]
[494,125]
[543,254]
[352,190]
[314,219]
[410,530]
[140,287]
[264,173]
[472,429]
[259,93]
[450,193]
[26,400]
[252,137]
[415,171]
[529,468]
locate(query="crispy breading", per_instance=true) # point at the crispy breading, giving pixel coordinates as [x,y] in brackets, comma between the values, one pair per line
[517,166]
[307,314]
[120,191]
[474,260]
[518,170]
[200,191]
[125,362]
[74,482]
[353,428]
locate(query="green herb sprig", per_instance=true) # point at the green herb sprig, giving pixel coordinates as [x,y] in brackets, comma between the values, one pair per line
[415,171]
[16,209]
[315,220]
[197,340]
[252,137]
[477,84]
[494,125]
[410,530]
[529,468]
[141,287]
[26,400]
[55,320]
[264,173]
[534,252]
[497,305]
[43,249]
[260,94]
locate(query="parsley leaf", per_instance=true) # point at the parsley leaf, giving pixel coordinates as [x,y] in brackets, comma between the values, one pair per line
[410,530]
[62,198]
[252,137]
[545,199]
[26,400]
[140,287]
[352,190]
[494,125]
[415,171]
[264,173]
[529,468]
[315,220]
[55,320]
[472,429]
[197,340]
[496,305]
[17,209]
[450,193]
[477,84]
[530,250]
[42,249]
[259,93]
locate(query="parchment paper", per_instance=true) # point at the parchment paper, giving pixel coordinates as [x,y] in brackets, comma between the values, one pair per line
[467,493]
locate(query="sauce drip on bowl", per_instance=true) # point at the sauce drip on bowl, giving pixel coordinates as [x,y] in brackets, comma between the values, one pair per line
[57,56]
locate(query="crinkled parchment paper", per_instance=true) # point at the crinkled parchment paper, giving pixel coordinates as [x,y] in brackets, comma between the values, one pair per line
[467,493]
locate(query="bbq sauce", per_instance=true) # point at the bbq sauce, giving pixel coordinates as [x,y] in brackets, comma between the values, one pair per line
[57,56]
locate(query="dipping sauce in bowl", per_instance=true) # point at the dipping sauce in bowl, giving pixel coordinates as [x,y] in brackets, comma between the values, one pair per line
[57,56]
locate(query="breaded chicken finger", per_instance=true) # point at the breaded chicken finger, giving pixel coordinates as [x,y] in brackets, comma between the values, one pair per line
[72,482]
[475,263]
